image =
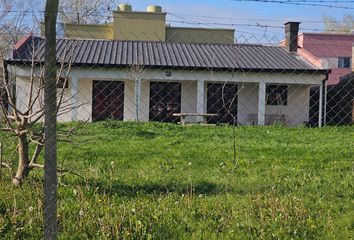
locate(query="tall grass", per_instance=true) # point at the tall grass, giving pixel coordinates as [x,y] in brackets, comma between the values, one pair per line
[163,181]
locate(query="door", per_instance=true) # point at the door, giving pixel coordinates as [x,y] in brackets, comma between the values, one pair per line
[107,100]
[222,100]
[165,99]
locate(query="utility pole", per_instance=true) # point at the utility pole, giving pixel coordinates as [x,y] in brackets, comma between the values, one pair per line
[50,121]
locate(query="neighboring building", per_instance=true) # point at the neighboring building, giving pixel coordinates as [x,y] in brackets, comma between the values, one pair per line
[331,51]
[146,26]
[340,102]
[328,50]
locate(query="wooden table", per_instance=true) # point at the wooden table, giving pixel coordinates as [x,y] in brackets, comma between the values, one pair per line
[184,115]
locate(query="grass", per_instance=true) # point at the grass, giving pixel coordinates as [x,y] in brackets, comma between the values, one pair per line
[163,181]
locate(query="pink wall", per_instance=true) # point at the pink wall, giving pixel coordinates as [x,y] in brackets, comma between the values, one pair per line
[322,46]
[336,73]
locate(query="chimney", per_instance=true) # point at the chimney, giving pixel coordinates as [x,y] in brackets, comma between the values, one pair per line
[291,33]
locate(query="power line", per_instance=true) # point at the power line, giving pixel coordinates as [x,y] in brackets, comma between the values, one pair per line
[247,19]
[189,21]
[297,3]
[321,1]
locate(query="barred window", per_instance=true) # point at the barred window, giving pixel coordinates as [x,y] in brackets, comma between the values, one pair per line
[277,95]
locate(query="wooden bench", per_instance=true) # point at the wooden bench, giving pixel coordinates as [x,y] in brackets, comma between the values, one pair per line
[184,115]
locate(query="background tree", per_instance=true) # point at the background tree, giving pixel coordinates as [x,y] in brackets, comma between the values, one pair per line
[86,11]
[345,25]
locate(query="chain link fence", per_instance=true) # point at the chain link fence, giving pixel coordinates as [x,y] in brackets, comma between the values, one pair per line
[140,69]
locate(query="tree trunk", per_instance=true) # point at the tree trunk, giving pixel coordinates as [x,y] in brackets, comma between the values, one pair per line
[23,160]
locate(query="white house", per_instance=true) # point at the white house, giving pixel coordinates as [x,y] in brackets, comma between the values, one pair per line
[149,81]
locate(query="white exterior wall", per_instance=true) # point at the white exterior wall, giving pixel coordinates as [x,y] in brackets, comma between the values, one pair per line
[296,112]
[23,95]
[247,105]
[189,99]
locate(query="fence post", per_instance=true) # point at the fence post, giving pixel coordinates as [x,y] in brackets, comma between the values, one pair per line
[261,103]
[50,121]
[325,104]
[320,106]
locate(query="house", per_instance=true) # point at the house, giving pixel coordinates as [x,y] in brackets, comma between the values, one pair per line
[149,80]
[328,51]
[340,102]
[332,51]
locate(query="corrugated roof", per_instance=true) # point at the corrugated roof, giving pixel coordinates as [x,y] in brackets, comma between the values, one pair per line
[112,53]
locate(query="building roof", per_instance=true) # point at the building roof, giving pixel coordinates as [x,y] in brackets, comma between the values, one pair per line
[113,53]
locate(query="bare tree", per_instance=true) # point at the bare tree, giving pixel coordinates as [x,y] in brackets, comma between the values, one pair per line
[86,11]
[24,118]
[343,26]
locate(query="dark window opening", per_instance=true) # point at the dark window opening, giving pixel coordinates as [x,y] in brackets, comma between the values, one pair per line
[63,83]
[344,62]
[222,100]
[107,100]
[277,95]
[165,100]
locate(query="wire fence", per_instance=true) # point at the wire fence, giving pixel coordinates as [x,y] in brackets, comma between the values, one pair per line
[155,81]
[138,69]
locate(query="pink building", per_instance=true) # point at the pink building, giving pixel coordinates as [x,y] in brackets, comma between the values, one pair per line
[328,51]
[331,103]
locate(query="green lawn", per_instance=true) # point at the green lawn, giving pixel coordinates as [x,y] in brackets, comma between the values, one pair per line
[164,181]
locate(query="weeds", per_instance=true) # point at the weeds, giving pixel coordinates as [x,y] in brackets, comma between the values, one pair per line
[162,181]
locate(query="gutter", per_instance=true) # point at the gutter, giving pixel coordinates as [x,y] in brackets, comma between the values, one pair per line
[220,69]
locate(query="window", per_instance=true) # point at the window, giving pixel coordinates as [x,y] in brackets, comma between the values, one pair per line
[344,62]
[277,95]
[63,83]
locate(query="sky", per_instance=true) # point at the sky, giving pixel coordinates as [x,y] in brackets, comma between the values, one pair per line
[237,14]
[255,22]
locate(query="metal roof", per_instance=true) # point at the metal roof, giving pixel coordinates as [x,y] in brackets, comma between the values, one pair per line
[112,53]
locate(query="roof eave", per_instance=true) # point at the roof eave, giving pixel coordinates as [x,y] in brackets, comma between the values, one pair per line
[198,68]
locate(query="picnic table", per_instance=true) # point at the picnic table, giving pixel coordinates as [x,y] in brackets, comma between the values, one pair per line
[184,115]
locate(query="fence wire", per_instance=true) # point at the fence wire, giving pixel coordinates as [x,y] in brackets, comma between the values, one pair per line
[186,76]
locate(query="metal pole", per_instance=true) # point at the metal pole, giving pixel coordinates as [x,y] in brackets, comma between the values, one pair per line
[261,102]
[320,106]
[325,105]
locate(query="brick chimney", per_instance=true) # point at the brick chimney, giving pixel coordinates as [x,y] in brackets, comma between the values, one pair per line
[291,34]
